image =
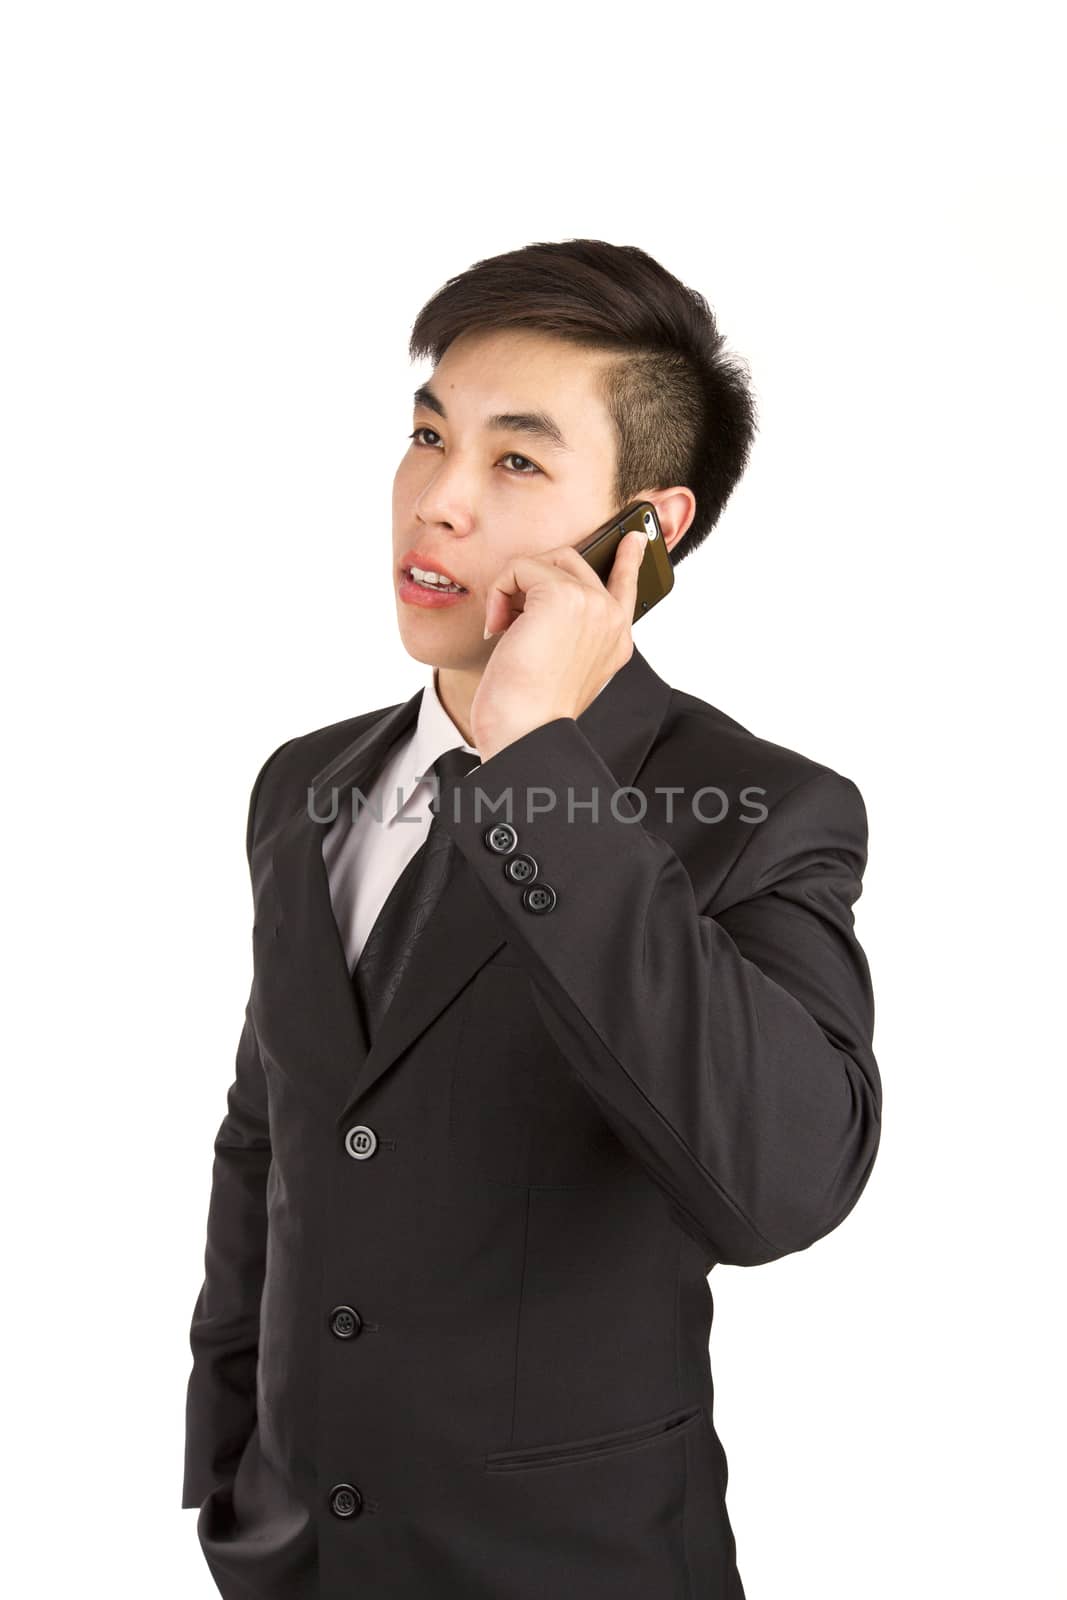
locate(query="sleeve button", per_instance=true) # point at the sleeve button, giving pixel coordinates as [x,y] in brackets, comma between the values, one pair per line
[539,898]
[501,838]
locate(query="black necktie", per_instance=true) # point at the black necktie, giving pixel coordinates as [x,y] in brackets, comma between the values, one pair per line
[387,953]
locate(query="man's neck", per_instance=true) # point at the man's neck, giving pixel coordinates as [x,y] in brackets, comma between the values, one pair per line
[456,690]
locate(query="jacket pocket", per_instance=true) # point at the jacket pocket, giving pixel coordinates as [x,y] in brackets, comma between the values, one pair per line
[641,1437]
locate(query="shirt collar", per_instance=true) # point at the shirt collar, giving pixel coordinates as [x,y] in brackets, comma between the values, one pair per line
[434,733]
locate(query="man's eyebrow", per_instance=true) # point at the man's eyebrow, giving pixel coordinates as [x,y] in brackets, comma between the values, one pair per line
[537,423]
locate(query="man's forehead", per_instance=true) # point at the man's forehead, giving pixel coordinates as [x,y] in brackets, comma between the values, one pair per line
[525,390]
[519,355]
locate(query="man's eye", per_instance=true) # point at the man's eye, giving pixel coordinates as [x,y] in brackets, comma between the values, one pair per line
[526,471]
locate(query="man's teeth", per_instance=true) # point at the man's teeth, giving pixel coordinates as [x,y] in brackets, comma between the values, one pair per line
[433,580]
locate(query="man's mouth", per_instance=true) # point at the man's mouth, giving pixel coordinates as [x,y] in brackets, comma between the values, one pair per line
[433,581]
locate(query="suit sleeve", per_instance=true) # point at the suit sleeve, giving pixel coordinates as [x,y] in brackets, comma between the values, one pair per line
[224,1333]
[731,1053]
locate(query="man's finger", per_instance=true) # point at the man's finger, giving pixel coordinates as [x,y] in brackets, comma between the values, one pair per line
[502,605]
[622,579]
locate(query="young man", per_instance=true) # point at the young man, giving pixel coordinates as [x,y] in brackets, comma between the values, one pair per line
[612,1026]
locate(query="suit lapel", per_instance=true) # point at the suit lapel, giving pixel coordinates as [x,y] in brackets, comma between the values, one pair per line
[311,976]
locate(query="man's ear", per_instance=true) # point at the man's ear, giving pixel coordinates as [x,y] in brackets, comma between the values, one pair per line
[675,509]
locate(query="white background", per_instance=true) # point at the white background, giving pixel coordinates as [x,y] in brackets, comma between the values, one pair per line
[220,223]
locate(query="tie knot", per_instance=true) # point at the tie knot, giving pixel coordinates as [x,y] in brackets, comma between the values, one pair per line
[450,767]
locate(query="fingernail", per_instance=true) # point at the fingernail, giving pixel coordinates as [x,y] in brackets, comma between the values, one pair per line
[487,634]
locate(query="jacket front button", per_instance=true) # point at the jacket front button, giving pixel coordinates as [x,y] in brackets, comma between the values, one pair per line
[501,838]
[361,1142]
[520,869]
[539,898]
[345,1322]
[345,1500]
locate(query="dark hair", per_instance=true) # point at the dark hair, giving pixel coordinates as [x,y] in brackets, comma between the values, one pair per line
[681,404]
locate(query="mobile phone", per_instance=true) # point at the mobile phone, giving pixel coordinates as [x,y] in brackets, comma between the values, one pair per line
[655,576]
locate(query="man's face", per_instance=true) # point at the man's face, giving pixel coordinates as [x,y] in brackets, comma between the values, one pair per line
[470,492]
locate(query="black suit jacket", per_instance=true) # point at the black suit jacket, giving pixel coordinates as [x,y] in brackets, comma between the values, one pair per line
[452,1340]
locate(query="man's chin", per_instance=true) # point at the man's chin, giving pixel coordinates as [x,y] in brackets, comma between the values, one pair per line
[454,655]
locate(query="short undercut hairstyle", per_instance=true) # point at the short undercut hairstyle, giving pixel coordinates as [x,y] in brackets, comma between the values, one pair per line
[682,405]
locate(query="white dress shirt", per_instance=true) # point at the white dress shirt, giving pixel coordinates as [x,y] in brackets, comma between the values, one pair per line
[365,856]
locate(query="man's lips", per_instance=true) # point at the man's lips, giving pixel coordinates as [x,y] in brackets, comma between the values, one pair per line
[422,594]
[412,558]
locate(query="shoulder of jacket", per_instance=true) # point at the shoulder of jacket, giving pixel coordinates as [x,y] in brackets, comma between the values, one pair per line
[291,765]
[799,802]
[703,730]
